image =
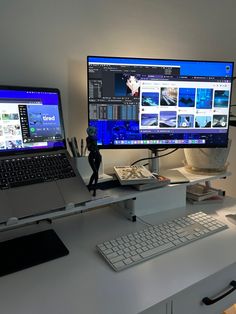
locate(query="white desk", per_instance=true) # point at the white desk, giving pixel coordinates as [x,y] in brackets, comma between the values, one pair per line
[83,282]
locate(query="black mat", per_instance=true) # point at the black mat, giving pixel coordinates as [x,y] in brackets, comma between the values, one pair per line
[30,250]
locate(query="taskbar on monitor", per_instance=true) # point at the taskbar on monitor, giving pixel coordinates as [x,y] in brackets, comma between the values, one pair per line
[144,142]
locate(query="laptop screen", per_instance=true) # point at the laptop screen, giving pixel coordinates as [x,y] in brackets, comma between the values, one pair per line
[30,120]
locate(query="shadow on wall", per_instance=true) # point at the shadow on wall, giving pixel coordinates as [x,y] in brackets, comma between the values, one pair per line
[125,157]
[173,160]
[77,98]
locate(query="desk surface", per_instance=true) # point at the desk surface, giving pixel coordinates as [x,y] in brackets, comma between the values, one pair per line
[83,282]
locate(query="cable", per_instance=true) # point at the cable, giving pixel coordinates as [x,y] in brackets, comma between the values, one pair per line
[150,158]
[163,155]
[174,150]
[146,158]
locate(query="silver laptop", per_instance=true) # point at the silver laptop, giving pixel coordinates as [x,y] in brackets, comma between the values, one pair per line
[37,174]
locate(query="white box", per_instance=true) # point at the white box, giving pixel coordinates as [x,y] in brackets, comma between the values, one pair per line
[156,200]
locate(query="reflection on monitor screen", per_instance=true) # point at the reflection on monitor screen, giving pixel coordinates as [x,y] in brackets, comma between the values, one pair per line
[138,103]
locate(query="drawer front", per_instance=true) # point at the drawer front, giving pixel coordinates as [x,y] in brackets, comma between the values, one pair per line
[213,287]
[160,308]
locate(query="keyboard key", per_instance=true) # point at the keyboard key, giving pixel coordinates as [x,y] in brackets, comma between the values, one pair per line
[112,255]
[128,261]
[157,250]
[136,258]
[108,251]
[119,265]
[117,259]
[177,242]
[127,255]
[190,237]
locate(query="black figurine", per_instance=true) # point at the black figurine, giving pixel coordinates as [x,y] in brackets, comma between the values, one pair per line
[94,157]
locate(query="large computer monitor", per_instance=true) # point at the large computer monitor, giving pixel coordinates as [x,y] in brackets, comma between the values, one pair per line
[152,103]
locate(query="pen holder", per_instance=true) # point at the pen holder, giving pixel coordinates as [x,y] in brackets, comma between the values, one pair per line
[83,166]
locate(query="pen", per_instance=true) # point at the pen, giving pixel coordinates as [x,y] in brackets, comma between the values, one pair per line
[75,147]
[70,146]
[85,150]
[82,147]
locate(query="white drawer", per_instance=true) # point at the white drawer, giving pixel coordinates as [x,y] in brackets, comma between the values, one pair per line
[190,300]
[161,308]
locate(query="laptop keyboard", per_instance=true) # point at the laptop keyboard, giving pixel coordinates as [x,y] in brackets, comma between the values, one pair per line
[29,170]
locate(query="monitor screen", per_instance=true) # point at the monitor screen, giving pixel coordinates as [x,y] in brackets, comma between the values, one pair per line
[151,103]
[30,119]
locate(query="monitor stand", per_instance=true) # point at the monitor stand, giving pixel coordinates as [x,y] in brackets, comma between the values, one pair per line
[30,250]
[174,175]
[154,160]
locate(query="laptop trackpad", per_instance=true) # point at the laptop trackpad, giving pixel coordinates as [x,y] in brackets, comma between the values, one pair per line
[34,199]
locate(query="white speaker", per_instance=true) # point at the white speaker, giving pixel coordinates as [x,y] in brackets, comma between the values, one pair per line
[207,160]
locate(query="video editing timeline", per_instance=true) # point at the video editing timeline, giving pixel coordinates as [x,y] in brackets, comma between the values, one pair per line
[135,101]
[127,111]
[108,97]
[28,120]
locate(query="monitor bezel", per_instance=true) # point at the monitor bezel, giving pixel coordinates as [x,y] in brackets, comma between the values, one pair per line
[156,146]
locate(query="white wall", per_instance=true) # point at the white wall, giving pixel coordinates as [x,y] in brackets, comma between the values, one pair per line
[45,43]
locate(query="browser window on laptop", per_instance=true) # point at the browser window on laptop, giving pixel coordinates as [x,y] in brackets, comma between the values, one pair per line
[37,174]
[30,120]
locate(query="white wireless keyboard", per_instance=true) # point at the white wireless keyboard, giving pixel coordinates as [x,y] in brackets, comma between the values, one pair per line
[134,248]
